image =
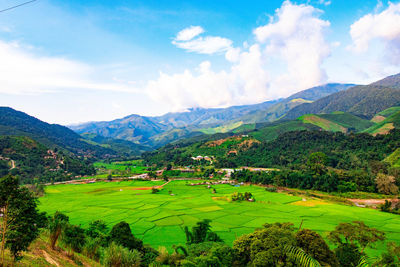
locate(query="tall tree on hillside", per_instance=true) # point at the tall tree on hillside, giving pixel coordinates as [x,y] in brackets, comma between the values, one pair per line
[55,226]
[21,219]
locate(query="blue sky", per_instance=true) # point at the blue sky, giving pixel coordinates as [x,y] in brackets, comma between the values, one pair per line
[75,61]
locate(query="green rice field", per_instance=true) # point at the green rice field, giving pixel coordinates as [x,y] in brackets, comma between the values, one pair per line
[159,218]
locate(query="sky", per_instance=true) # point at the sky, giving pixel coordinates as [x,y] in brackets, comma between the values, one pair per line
[73,61]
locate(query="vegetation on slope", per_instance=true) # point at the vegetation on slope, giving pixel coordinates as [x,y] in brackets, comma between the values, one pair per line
[364,101]
[17,123]
[34,163]
[383,127]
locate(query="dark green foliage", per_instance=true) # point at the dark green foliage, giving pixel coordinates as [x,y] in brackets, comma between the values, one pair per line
[352,239]
[206,254]
[391,258]
[17,123]
[35,163]
[348,255]
[20,218]
[266,246]
[315,246]
[73,237]
[56,224]
[98,230]
[122,235]
[200,233]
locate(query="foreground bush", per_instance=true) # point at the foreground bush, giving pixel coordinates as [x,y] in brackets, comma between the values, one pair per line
[118,256]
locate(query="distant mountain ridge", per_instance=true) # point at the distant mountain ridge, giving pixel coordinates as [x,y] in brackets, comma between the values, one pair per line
[160,130]
[363,100]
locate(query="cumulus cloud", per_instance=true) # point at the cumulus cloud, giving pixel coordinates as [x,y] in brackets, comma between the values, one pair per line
[294,39]
[383,27]
[24,72]
[201,45]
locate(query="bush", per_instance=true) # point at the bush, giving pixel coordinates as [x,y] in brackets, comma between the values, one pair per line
[92,248]
[271,189]
[154,190]
[116,255]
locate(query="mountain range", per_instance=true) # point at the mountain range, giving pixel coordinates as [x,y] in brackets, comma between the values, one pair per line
[372,108]
[160,130]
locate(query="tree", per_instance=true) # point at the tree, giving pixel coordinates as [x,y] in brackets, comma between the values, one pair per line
[98,231]
[386,184]
[20,218]
[201,232]
[122,235]
[266,246]
[209,254]
[317,161]
[314,245]
[350,238]
[73,237]
[55,226]
[391,258]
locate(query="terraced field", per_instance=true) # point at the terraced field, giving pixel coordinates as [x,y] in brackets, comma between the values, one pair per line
[159,218]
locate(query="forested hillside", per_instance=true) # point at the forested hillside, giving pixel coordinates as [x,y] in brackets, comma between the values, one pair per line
[17,123]
[364,101]
[34,163]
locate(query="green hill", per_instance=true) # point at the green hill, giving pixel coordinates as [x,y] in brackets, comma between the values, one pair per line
[16,123]
[338,122]
[273,130]
[33,162]
[363,101]
[394,158]
[383,127]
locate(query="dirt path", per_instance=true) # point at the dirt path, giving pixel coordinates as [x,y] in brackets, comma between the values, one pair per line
[12,164]
[49,259]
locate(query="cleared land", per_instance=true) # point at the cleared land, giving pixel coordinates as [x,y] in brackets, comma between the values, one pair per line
[159,218]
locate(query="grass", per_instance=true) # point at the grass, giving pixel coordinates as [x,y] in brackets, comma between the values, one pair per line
[159,218]
[323,123]
[132,166]
[393,121]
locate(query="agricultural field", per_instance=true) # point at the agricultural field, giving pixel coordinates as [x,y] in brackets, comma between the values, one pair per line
[159,218]
[129,167]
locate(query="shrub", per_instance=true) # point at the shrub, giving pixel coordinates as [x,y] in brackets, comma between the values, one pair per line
[271,189]
[154,190]
[116,255]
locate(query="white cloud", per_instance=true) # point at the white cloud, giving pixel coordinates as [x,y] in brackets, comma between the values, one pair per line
[384,27]
[201,45]
[286,58]
[206,45]
[325,2]
[24,72]
[297,36]
[189,33]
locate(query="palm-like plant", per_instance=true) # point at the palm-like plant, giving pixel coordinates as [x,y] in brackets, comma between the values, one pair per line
[300,257]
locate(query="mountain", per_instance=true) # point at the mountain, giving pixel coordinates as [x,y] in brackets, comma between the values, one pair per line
[159,130]
[17,123]
[364,101]
[32,162]
[278,110]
